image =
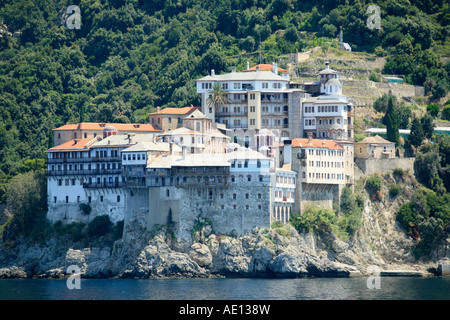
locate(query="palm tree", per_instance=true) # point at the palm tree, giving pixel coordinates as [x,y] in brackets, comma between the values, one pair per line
[218,97]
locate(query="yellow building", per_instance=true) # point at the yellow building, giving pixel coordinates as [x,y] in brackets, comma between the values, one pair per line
[374,147]
[168,119]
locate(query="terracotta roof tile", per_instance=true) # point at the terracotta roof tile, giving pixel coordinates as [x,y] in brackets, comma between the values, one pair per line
[316,143]
[72,144]
[185,110]
[100,126]
[265,67]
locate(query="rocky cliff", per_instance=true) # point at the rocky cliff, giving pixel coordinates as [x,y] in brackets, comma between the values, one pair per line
[275,252]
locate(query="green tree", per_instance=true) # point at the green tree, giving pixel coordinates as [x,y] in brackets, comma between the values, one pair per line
[218,97]
[392,123]
[433,109]
[416,136]
[373,186]
[26,200]
[427,126]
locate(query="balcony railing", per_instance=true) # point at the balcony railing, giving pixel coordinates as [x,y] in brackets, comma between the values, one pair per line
[103,185]
[83,172]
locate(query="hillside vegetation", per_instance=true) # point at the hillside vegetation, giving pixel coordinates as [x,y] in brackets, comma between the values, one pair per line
[130,56]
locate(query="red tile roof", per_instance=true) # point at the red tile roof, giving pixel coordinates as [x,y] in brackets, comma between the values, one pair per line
[72,144]
[119,126]
[316,143]
[265,67]
[185,110]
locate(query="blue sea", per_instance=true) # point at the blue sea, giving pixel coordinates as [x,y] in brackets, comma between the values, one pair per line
[390,288]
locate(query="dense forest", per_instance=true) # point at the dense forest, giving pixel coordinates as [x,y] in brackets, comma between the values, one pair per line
[130,56]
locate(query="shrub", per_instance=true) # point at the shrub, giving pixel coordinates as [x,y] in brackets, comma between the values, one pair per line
[373,186]
[394,190]
[374,77]
[398,174]
[446,112]
[433,109]
[99,226]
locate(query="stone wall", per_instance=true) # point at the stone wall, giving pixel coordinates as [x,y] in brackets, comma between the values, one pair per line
[371,166]
[104,201]
[322,195]
[233,209]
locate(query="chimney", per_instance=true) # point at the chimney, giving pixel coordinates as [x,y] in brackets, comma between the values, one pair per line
[309,137]
[275,67]
[233,69]
[157,109]
[327,64]
[248,65]
[287,154]
[213,73]
[183,152]
[257,68]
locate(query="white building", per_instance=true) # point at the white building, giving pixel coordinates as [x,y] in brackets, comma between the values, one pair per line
[329,115]
[88,172]
[256,100]
[197,135]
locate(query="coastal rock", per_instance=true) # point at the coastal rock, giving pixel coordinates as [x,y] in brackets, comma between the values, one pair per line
[158,260]
[229,257]
[200,254]
[12,273]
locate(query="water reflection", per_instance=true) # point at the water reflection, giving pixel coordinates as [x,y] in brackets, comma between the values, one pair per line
[392,288]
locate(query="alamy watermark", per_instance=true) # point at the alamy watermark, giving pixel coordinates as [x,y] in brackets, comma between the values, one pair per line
[74,281]
[374,20]
[74,20]
[374,281]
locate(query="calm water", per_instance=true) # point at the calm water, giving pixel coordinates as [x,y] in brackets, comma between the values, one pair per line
[392,288]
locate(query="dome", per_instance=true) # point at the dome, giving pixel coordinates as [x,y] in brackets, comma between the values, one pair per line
[265,132]
[109,129]
[334,82]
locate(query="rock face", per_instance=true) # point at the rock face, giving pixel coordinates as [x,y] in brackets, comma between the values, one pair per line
[276,252]
[263,253]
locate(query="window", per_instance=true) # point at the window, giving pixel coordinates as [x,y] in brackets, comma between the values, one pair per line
[67,199]
[54,199]
[118,198]
[167,193]
[101,198]
[247,207]
[234,206]
[247,196]
[259,195]
[234,196]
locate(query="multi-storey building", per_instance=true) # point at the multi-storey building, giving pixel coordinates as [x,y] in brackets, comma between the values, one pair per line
[88,130]
[328,114]
[168,119]
[197,135]
[88,171]
[231,190]
[321,171]
[256,100]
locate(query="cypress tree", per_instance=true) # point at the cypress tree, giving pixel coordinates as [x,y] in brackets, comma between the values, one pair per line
[392,123]
[416,137]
